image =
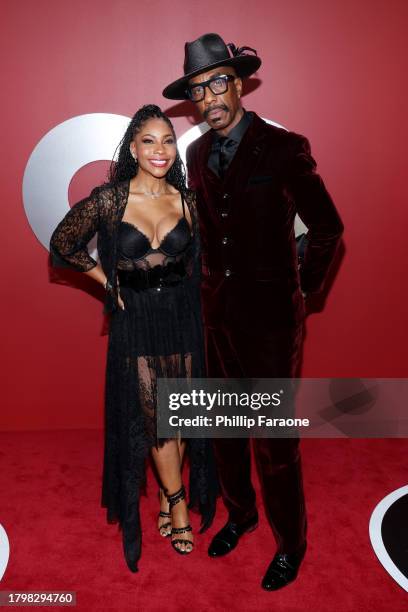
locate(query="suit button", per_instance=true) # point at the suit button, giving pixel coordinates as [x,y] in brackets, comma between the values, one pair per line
[225,196]
[225,240]
[227,272]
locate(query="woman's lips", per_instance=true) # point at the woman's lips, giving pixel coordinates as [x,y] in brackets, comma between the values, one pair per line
[158,163]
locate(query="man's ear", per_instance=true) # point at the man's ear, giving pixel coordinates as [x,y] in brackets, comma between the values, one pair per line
[238,86]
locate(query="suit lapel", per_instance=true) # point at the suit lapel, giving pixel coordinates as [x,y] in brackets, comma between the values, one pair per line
[247,155]
[204,153]
[212,185]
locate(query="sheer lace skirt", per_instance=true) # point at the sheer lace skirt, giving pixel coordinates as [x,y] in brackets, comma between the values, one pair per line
[157,335]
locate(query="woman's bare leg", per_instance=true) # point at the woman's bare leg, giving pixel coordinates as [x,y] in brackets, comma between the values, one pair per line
[168,460]
[164,504]
[182,447]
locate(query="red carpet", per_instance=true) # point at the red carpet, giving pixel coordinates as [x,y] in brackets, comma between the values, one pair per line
[59,538]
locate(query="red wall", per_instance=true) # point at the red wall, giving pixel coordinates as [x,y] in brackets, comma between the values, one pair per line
[333,71]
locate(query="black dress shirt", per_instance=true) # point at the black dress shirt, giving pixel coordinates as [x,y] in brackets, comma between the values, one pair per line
[229,144]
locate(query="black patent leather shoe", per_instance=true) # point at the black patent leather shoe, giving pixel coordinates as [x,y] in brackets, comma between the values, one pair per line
[282,570]
[226,540]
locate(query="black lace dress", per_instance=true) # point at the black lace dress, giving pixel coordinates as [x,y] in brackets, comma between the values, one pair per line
[158,334]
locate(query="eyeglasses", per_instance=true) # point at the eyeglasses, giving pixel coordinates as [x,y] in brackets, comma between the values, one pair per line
[217,85]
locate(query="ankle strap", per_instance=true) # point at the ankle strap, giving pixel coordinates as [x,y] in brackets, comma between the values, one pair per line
[176,497]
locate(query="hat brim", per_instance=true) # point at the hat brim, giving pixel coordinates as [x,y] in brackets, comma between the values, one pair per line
[244,65]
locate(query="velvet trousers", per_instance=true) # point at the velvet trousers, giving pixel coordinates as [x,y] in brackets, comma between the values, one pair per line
[272,354]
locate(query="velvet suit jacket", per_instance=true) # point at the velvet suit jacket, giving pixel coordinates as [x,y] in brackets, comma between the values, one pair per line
[250,267]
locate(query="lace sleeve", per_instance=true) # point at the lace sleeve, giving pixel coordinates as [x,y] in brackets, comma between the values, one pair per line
[68,244]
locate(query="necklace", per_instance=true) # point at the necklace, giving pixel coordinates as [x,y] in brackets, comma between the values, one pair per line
[150,194]
[153,195]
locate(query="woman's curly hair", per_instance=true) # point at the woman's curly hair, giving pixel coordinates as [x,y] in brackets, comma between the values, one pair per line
[126,166]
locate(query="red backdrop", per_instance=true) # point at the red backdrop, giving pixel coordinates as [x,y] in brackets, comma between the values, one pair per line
[333,71]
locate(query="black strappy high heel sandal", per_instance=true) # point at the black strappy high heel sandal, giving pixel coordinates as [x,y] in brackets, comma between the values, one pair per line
[164,526]
[174,499]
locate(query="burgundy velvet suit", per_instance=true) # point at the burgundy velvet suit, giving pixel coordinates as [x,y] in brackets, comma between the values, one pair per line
[252,303]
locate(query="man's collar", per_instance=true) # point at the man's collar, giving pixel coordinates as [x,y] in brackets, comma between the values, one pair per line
[238,131]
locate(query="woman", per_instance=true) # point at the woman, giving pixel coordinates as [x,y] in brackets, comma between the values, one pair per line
[148,246]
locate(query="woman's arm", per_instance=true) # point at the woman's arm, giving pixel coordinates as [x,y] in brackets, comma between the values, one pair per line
[97,274]
[68,244]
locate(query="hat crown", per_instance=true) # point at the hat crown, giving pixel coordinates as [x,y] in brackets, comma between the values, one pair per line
[206,50]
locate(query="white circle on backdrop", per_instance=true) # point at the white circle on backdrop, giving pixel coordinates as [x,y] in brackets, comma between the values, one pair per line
[4,551]
[375,532]
[57,157]
[66,149]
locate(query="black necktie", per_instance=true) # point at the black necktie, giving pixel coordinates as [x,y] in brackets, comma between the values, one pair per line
[222,156]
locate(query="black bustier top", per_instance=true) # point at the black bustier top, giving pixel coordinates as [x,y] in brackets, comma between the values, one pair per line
[141,266]
[134,244]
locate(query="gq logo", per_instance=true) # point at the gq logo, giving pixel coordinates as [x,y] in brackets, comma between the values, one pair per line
[67,148]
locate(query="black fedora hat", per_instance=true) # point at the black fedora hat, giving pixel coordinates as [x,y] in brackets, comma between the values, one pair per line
[208,52]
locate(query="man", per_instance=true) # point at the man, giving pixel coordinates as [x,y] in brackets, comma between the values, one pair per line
[251,179]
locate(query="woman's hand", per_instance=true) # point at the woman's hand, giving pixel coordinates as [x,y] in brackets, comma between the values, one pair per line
[120,301]
[108,287]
